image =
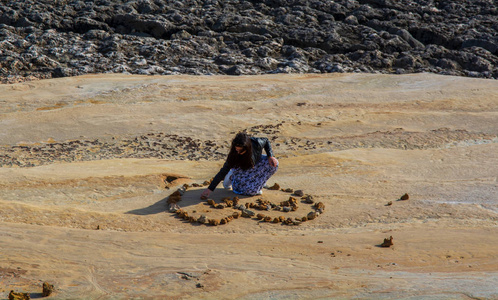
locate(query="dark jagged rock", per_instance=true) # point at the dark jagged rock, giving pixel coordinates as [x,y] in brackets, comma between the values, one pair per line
[46,39]
[387,242]
[48,289]
[18,296]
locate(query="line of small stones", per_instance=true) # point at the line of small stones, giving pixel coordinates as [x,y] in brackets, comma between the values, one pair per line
[263,205]
[151,145]
[166,146]
[146,146]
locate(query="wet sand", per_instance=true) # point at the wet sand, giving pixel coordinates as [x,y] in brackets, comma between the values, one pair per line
[83,197]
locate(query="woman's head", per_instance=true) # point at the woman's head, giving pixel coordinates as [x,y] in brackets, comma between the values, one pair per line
[241,140]
[241,152]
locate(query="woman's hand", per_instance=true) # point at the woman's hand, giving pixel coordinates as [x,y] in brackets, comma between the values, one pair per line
[273,161]
[205,194]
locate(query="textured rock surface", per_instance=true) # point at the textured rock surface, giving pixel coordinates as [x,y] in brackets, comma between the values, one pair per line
[86,153]
[45,39]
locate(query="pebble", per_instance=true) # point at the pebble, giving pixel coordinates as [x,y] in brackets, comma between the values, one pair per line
[248,213]
[309,199]
[404,197]
[173,207]
[299,193]
[311,216]
[47,289]
[202,219]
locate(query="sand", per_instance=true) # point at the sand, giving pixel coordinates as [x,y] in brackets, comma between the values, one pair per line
[83,196]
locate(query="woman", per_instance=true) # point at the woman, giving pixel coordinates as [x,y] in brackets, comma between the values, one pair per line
[246,169]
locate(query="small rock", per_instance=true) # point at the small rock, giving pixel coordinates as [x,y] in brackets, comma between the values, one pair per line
[247,213]
[309,199]
[175,197]
[296,222]
[202,219]
[404,197]
[214,222]
[311,215]
[18,296]
[181,190]
[229,203]
[299,193]
[275,187]
[389,203]
[173,207]
[47,289]
[319,205]
[387,242]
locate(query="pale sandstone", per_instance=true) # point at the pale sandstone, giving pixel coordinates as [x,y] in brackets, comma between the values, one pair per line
[445,235]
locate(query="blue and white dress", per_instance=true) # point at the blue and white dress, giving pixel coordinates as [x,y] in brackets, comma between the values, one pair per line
[251,181]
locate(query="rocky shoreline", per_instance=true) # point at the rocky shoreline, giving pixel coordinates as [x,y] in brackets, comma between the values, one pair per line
[48,39]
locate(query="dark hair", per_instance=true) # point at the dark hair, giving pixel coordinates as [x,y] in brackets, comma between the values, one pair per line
[243,161]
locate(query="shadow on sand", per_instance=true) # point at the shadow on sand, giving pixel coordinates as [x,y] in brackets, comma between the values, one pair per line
[191,197]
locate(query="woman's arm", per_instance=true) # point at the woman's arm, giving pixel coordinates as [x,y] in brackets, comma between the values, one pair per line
[267,146]
[269,152]
[219,176]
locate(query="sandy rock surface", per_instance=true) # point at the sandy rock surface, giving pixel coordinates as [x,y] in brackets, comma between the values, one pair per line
[83,191]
